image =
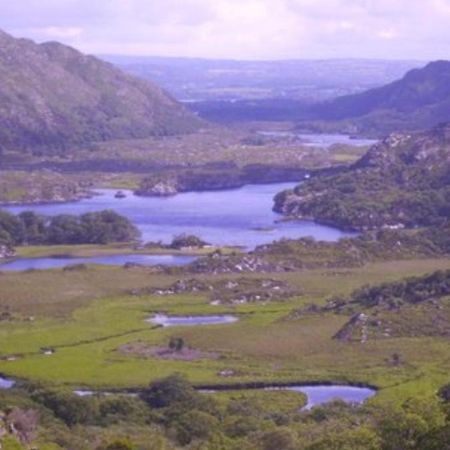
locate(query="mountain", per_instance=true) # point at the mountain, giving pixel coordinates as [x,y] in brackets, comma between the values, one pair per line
[421,99]
[52,97]
[402,182]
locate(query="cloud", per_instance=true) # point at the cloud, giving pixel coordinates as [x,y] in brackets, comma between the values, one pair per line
[251,29]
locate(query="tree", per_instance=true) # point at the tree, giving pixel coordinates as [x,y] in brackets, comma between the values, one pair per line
[361,438]
[118,444]
[170,390]
[107,226]
[34,228]
[195,425]
[176,344]
[11,229]
[281,438]
[70,408]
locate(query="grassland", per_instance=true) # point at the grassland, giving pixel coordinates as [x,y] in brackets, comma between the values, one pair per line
[88,250]
[86,315]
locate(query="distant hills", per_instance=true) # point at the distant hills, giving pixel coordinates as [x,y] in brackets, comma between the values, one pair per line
[419,100]
[416,101]
[53,97]
[199,80]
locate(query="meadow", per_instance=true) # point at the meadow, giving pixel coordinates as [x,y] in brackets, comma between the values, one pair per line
[86,316]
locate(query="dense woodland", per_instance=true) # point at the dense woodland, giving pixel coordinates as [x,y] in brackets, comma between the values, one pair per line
[29,228]
[171,414]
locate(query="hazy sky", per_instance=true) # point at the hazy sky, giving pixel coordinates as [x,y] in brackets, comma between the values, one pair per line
[244,29]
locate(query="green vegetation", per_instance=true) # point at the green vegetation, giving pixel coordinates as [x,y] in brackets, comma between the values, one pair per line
[401,182]
[409,290]
[417,306]
[172,415]
[87,317]
[91,228]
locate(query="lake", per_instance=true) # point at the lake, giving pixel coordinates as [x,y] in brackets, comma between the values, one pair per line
[109,260]
[238,217]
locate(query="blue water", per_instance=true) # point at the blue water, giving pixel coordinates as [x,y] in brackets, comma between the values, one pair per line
[319,395]
[109,260]
[190,321]
[322,140]
[328,140]
[6,383]
[241,217]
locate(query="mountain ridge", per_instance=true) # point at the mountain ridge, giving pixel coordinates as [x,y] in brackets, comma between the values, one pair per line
[419,100]
[53,96]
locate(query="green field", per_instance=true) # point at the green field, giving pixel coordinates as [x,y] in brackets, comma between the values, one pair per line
[85,316]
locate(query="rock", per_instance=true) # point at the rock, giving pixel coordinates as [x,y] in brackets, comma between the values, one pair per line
[6,251]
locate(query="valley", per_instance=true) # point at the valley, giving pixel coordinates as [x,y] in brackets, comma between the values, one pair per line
[278,279]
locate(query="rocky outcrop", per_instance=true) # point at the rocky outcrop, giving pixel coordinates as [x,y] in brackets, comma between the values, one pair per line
[6,251]
[203,178]
[234,291]
[402,182]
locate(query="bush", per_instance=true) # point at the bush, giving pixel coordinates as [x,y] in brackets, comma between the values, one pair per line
[184,240]
[69,407]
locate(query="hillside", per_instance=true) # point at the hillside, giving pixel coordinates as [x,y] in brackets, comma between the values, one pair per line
[401,182]
[417,306]
[52,97]
[419,100]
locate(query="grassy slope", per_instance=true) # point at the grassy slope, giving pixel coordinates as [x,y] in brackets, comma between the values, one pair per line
[261,346]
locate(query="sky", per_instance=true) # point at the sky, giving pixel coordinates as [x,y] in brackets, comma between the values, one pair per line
[238,29]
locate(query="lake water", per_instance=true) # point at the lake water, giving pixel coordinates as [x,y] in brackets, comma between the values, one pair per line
[240,217]
[322,140]
[190,321]
[110,260]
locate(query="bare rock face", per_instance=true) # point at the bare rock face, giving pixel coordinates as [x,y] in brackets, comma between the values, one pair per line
[54,97]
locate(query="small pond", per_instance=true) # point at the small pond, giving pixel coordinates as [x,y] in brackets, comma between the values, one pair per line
[319,395]
[6,383]
[191,321]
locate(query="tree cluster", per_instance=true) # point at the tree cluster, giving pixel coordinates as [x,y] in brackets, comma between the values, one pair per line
[29,228]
